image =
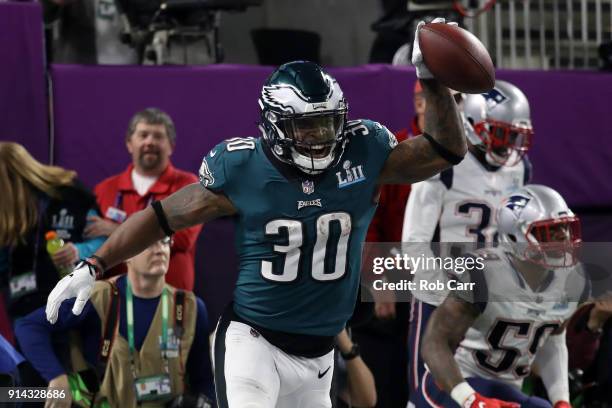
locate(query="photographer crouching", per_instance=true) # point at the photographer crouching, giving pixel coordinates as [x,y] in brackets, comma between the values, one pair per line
[137,342]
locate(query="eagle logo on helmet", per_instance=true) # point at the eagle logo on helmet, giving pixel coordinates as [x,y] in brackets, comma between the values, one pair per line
[281,96]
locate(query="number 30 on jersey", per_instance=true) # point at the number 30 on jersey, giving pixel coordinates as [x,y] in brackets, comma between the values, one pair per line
[325,256]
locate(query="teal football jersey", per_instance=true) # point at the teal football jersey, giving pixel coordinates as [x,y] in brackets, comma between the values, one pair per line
[299,237]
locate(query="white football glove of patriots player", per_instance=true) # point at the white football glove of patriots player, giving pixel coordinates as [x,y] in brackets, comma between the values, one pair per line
[78,283]
[417,58]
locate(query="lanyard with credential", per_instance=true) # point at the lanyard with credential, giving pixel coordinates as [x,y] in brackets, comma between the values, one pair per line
[130,326]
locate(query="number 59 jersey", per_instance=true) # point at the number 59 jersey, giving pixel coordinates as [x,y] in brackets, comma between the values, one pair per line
[515,320]
[299,236]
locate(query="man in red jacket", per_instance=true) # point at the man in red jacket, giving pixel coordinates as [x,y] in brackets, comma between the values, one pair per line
[150,139]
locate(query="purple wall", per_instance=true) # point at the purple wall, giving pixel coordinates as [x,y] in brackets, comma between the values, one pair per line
[23,101]
[92,107]
[571,116]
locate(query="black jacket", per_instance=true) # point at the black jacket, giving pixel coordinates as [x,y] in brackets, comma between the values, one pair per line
[66,215]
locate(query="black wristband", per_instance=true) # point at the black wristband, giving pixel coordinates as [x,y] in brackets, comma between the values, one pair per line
[101,261]
[354,353]
[98,264]
[446,154]
[161,218]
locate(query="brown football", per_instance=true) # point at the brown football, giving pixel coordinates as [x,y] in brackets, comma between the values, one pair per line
[456,58]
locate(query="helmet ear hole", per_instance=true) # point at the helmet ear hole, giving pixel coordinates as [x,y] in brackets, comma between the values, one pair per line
[512,237]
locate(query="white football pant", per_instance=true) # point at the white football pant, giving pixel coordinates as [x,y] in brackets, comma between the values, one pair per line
[252,373]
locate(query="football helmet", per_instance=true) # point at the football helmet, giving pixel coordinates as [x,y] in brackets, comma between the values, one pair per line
[303,116]
[540,227]
[473,109]
[506,131]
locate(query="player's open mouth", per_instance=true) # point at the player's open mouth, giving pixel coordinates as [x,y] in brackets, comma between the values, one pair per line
[319,150]
[315,151]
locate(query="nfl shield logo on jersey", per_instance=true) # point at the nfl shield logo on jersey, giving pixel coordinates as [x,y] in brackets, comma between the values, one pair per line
[308,187]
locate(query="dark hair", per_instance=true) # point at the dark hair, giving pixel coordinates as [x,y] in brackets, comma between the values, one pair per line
[152,116]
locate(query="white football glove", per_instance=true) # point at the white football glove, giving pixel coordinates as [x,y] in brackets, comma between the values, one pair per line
[77,284]
[417,58]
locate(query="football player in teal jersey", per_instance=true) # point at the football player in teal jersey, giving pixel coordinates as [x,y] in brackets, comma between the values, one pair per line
[302,197]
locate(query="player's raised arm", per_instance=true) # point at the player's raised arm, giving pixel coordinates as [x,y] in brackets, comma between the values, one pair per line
[442,143]
[191,205]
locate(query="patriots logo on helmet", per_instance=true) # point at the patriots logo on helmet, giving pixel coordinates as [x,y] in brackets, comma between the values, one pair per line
[517,203]
[494,97]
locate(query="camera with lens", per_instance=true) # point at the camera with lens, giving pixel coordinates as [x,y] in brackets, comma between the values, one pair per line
[191,26]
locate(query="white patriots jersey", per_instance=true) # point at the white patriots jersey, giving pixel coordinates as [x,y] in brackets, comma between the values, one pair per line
[461,201]
[515,320]
[459,204]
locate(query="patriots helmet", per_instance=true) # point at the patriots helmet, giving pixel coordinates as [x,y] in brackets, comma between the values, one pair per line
[303,116]
[506,131]
[537,223]
[473,110]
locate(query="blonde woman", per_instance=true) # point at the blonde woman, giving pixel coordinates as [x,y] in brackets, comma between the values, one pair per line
[35,199]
